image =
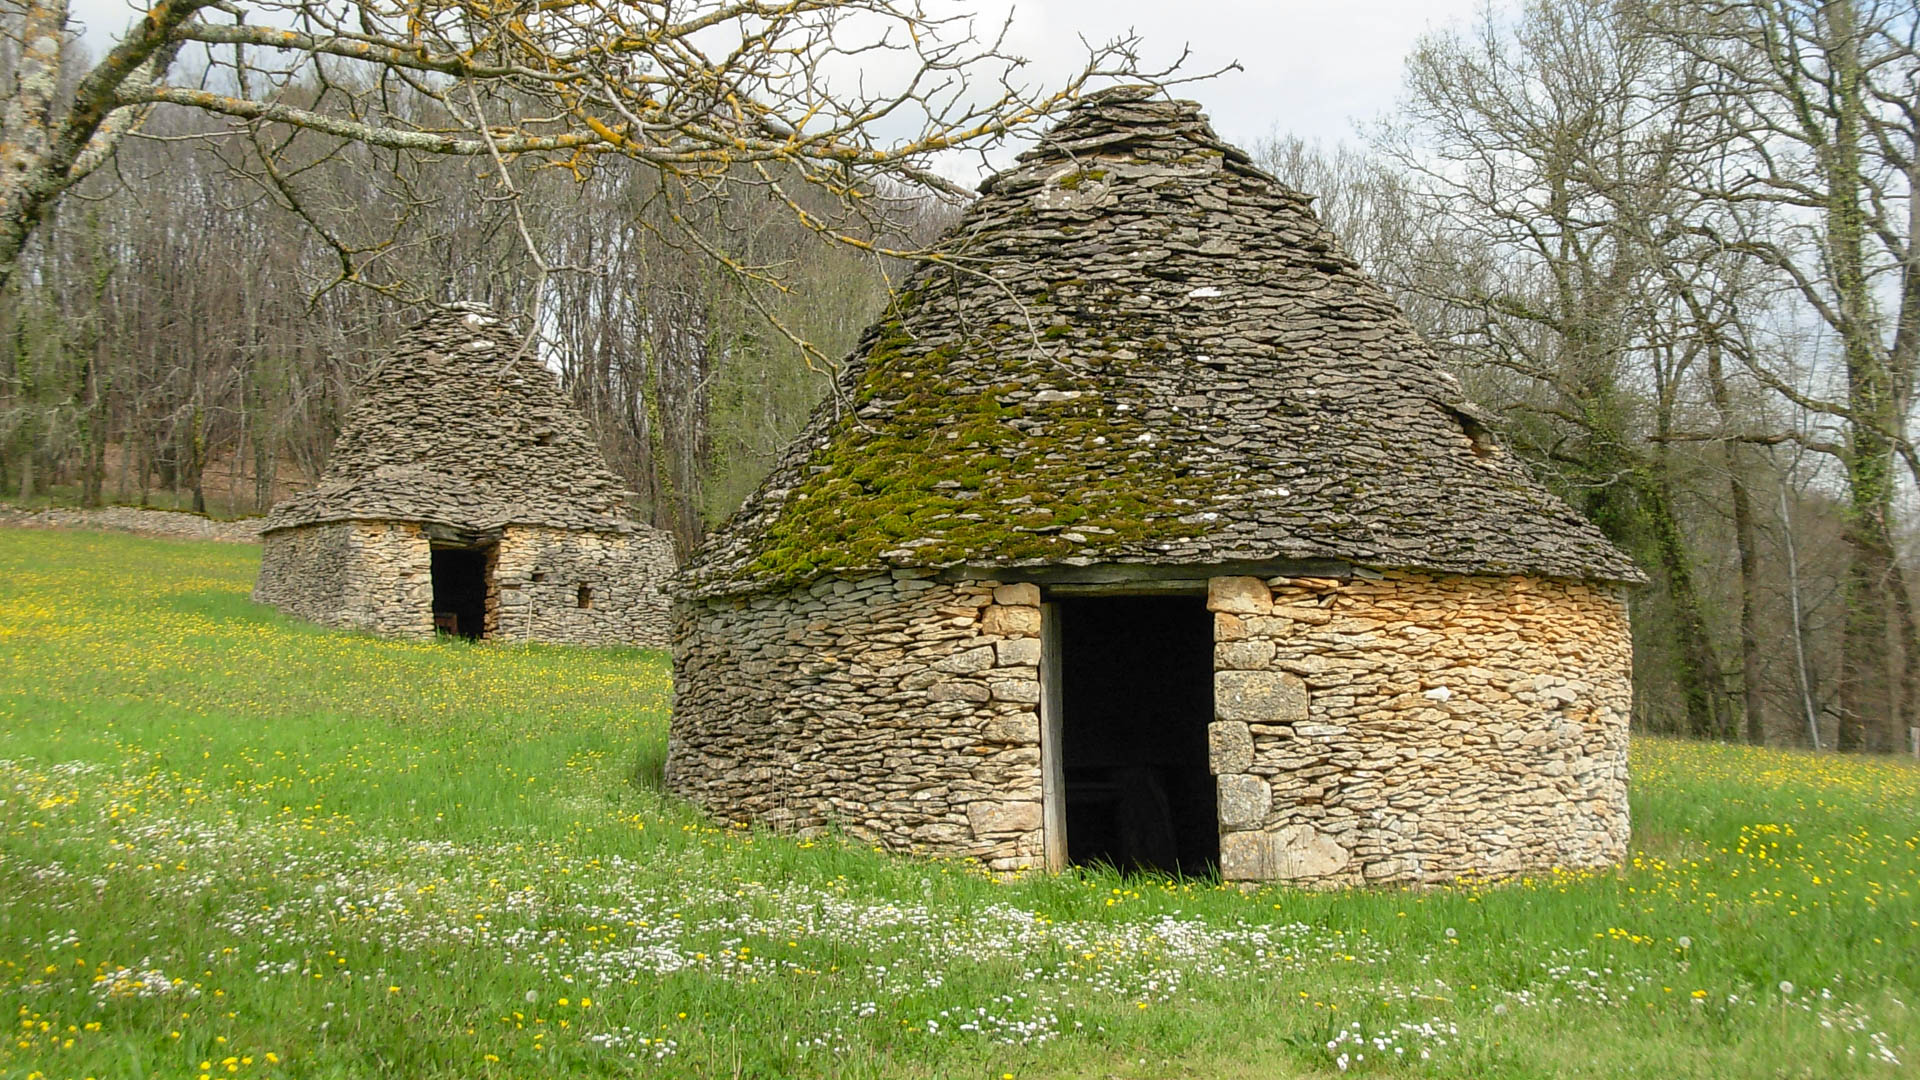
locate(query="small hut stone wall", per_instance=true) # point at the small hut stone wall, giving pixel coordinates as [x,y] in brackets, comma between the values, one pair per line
[1413,727]
[377,577]
[1403,727]
[351,575]
[539,574]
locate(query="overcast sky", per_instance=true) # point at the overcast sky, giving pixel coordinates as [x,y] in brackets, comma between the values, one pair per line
[1311,66]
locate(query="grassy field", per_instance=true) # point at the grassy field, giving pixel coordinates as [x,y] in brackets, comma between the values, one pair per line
[235,845]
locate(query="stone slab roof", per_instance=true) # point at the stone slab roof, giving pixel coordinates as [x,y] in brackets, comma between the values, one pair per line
[1138,348]
[457,427]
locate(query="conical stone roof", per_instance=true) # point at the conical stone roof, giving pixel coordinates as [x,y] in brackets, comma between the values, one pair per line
[459,427]
[1138,348]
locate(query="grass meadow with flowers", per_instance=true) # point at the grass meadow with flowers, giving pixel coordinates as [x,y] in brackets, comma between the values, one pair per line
[234,845]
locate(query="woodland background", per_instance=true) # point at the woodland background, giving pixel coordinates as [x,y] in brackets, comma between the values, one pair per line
[1669,245]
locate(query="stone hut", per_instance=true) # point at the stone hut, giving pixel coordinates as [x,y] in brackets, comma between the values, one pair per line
[466,496]
[1144,529]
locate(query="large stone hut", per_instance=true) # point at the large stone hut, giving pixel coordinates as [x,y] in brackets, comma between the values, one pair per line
[466,496]
[1144,529]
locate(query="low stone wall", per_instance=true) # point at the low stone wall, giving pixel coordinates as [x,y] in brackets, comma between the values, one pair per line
[167,524]
[359,575]
[1416,728]
[898,708]
[539,575]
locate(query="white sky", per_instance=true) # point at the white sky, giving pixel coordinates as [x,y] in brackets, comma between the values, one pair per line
[1312,67]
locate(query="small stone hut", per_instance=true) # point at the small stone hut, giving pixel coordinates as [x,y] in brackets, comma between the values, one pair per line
[466,496]
[1144,529]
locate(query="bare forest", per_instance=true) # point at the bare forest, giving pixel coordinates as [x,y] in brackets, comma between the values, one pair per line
[1669,245]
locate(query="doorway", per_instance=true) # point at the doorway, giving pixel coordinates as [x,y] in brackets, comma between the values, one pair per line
[1135,695]
[460,590]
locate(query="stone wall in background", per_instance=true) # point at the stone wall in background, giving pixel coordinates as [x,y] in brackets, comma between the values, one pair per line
[144,521]
[540,574]
[898,708]
[1417,728]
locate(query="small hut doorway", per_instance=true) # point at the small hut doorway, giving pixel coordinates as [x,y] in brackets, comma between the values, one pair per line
[460,590]
[1129,693]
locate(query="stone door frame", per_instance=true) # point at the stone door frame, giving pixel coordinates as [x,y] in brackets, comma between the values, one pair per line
[1053,785]
[1108,579]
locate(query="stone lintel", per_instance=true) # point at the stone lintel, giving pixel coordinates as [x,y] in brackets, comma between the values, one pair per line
[1140,577]
[451,536]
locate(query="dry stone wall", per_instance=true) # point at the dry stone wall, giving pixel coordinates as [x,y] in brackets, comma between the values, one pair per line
[539,575]
[903,710]
[378,576]
[1398,727]
[352,575]
[144,521]
[1418,728]
[303,572]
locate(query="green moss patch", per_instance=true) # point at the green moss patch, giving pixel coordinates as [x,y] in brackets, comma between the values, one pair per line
[962,467]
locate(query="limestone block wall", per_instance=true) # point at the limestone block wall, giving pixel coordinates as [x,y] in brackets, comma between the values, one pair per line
[539,575]
[303,572]
[1416,728]
[375,576]
[901,709]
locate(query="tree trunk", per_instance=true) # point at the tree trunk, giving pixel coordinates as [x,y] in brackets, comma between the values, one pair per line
[197,461]
[1909,712]
[1867,717]
[265,464]
[1751,707]
[1699,673]
[1803,674]
[1752,704]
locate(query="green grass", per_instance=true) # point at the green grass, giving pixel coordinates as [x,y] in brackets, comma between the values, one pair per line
[226,835]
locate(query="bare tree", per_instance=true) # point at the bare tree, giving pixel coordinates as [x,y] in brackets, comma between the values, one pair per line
[1543,152]
[783,96]
[1815,104]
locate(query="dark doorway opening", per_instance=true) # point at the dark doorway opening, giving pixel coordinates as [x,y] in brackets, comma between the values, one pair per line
[1136,683]
[460,590]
